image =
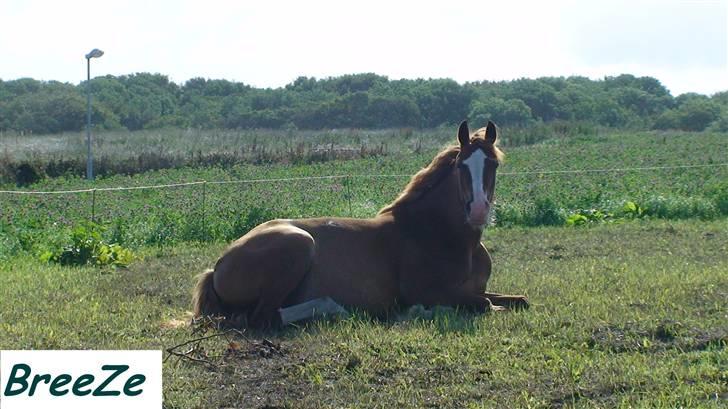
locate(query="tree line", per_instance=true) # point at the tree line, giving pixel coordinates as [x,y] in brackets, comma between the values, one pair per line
[148,101]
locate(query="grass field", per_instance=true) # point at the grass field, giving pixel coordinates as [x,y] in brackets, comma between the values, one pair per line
[224,212]
[628,310]
[623,315]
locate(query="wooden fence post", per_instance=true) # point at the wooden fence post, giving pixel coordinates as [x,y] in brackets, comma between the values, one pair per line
[93,206]
[204,196]
[348,193]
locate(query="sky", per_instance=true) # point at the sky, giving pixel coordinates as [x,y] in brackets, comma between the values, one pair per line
[269,43]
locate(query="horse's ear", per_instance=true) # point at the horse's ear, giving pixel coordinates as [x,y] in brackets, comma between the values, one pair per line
[464,134]
[491,133]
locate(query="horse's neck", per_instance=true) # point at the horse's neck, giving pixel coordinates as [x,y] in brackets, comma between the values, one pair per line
[438,217]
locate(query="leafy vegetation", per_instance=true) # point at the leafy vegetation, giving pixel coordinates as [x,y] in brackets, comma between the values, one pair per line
[151,101]
[87,247]
[222,212]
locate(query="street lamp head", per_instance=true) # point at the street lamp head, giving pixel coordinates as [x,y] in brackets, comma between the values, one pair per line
[95,53]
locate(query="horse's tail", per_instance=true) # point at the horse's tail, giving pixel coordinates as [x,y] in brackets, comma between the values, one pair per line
[205,299]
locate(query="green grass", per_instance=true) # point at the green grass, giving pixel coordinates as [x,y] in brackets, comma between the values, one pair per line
[626,313]
[223,212]
[623,315]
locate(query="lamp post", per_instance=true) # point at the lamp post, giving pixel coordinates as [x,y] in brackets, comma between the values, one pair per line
[95,53]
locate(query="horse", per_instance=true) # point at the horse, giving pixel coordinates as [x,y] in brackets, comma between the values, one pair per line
[423,248]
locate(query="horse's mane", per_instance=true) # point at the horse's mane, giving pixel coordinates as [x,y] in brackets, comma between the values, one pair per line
[430,175]
[427,177]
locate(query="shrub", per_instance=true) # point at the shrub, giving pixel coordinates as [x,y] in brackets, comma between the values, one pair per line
[584,216]
[26,174]
[508,215]
[631,210]
[546,213]
[720,124]
[576,219]
[719,194]
[721,201]
[87,247]
[9,245]
[695,114]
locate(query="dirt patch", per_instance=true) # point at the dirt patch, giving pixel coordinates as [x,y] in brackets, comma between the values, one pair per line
[255,377]
[602,396]
[174,323]
[263,348]
[177,322]
[252,370]
[665,334]
[715,338]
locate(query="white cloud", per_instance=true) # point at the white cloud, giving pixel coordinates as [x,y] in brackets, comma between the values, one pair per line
[271,43]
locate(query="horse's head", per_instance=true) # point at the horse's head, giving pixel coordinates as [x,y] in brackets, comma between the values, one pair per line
[475,167]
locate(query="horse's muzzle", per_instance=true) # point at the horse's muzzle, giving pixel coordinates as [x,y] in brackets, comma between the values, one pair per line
[477,213]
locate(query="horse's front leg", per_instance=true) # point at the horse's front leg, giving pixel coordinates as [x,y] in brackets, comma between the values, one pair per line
[443,295]
[481,274]
[474,302]
[514,302]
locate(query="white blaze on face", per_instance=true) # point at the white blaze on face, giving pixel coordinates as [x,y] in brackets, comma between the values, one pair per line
[479,207]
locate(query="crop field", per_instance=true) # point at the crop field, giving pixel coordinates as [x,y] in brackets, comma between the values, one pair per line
[525,197]
[626,270]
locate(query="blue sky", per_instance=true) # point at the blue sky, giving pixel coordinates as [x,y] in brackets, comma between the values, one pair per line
[269,43]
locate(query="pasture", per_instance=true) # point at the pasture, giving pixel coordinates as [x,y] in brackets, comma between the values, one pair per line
[222,212]
[628,309]
[623,315]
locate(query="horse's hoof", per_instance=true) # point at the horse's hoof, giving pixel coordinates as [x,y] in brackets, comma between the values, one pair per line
[520,303]
[497,308]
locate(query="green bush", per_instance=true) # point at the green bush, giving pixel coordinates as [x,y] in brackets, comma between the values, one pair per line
[631,210]
[26,174]
[546,213]
[721,202]
[719,194]
[9,245]
[694,114]
[585,216]
[720,124]
[508,215]
[87,247]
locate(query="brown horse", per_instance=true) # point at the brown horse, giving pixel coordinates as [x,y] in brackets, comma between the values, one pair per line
[423,248]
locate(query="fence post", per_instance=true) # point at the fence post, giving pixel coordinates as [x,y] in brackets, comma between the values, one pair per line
[347,182]
[93,205]
[204,195]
